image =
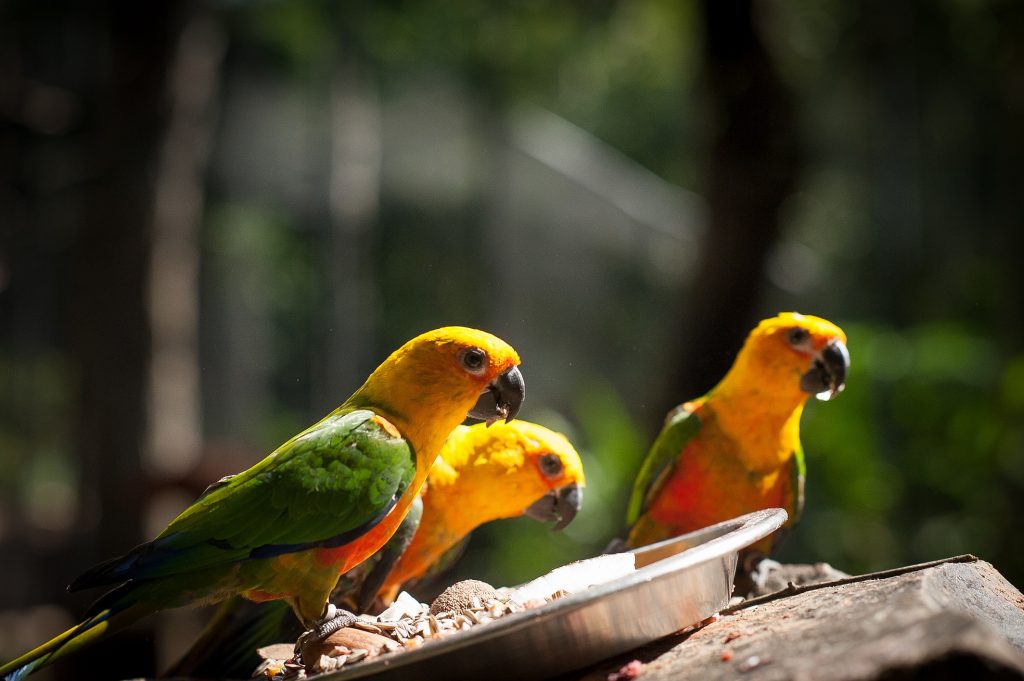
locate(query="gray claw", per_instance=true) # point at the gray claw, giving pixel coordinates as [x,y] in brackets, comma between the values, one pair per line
[326,627]
[334,619]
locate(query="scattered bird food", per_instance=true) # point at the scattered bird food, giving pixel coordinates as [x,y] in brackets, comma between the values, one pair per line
[408,624]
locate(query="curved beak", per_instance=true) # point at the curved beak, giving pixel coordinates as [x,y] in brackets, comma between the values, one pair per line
[560,505]
[501,399]
[827,376]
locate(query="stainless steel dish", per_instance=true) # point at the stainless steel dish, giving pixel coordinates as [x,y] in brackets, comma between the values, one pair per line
[678,582]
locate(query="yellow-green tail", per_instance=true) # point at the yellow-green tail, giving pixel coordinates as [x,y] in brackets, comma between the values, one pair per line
[116,616]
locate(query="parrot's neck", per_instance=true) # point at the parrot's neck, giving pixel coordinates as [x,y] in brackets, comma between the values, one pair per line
[459,505]
[424,418]
[765,425]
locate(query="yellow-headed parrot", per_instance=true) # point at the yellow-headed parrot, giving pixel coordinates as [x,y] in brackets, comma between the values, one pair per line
[482,474]
[316,507]
[737,449]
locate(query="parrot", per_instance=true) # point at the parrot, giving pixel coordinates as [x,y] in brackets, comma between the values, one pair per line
[482,474]
[317,506]
[737,449]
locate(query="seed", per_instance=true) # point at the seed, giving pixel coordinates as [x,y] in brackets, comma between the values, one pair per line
[475,602]
[366,626]
[358,654]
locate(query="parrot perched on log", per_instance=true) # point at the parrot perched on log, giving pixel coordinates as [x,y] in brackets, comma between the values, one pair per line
[482,474]
[319,505]
[737,449]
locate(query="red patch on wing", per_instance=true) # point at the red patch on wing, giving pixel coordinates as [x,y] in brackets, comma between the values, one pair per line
[347,556]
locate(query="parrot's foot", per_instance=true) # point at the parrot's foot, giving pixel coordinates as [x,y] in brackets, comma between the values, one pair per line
[762,571]
[754,574]
[334,618]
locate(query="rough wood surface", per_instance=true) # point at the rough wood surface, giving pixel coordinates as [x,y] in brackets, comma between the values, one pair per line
[779,578]
[948,620]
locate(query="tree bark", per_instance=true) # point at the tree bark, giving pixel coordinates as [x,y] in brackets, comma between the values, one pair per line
[127,104]
[752,168]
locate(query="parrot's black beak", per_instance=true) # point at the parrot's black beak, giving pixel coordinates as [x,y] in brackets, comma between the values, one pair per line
[827,376]
[501,399]
[560,505]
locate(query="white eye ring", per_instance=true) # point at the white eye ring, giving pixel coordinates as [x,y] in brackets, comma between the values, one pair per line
[473,360]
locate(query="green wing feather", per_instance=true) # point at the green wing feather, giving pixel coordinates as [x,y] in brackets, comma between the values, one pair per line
[324,487]
[227,647]
[680,427]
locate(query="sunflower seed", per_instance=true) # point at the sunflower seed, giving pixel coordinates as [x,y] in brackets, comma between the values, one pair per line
[366,626]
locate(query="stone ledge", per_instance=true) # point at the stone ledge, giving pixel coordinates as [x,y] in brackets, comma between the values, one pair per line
[949,619]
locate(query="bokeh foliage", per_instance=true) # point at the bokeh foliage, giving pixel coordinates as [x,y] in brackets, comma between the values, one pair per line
[905,229]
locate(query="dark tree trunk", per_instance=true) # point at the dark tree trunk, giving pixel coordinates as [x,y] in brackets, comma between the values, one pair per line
[751,169]
[85,98]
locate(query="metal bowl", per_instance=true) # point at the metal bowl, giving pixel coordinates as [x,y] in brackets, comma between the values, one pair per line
[677,583]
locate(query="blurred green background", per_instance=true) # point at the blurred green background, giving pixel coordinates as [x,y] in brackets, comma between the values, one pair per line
[216,219]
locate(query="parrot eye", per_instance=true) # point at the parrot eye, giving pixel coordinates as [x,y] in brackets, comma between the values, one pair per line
[550,466]
[474,360]
[797,336]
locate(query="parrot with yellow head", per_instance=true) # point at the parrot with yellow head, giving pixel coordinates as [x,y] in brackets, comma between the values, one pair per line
[319,505]
[737,449]
[483,474]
